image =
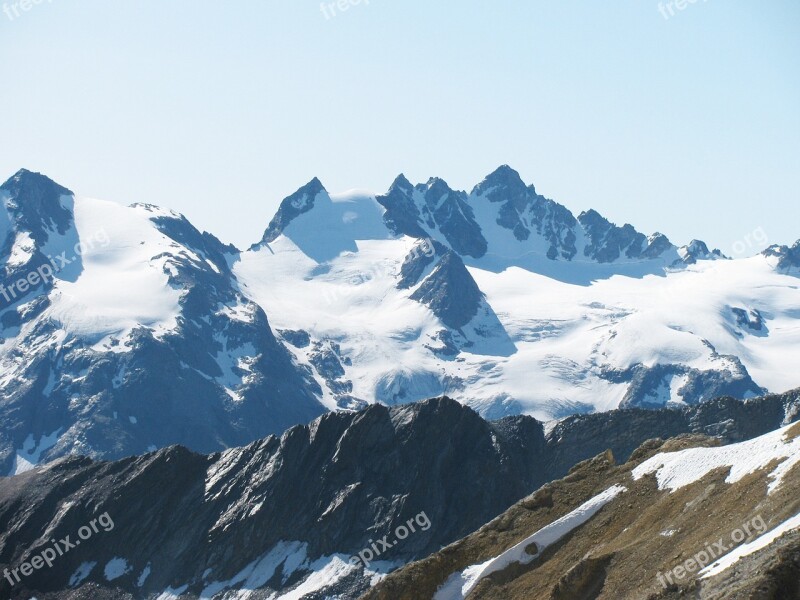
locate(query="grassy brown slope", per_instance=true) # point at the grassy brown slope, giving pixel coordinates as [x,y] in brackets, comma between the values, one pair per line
[620,551]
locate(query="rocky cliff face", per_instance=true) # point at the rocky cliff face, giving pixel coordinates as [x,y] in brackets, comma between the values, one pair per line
[607,242]
[433,207]
[788,258]
[450,292]
[524,216]
[326,490]
[649,387]
[301,202]
[287,513]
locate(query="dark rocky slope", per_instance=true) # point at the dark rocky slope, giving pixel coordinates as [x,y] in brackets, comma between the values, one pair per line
[186,519]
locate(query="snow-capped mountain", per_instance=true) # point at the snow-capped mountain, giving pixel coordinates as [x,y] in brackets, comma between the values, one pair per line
[125,328]
[504,300]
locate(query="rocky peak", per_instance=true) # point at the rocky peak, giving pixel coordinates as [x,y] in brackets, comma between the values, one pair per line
[502,184]
[698,250]
[788,258]
[34,204]
[401,183]
[291,207]
[606,242]
[450,292]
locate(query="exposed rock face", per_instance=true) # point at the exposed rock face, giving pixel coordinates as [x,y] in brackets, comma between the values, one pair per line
[697,250]
[450,292]
[453,216]
[427,210]
[402,215]
[528,215]
[298,203]
[444,284]
[297,338]
[327,359]
[650,387]
[421,257]
[36,209]
[607,241]
[35,204]
[345,480]
[418,211]
[576,438]
[788,258]
[751,320]
[318,492]
[505,187]
[433,207]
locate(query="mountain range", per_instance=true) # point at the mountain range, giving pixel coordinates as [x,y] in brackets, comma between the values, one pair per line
[124,330]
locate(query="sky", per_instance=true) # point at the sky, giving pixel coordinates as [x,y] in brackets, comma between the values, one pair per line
[680,117]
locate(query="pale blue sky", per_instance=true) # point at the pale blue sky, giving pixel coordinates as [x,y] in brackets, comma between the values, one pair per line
[689,125]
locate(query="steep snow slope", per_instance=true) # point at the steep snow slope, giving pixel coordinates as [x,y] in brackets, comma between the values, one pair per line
[120,255]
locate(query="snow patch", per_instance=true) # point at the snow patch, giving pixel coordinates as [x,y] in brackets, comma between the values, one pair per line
[744,550]
[459,585]
[668,533]
[122,284]
[21,251]
[81,573]
[116,568]
[143,576]
[28,456]
[675,470]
